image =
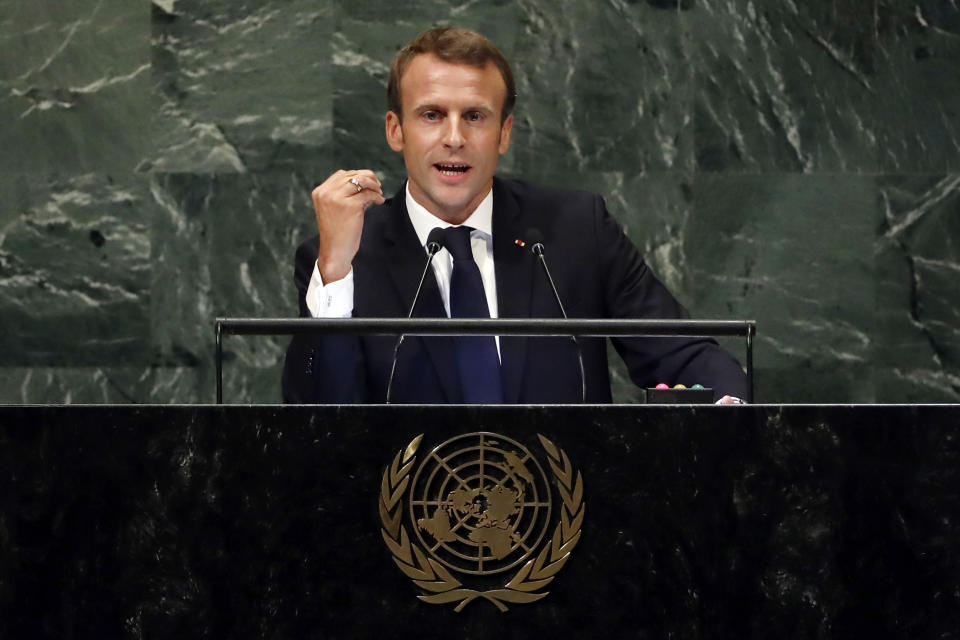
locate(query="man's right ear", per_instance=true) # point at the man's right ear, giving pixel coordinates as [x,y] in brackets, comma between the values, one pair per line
[394,131]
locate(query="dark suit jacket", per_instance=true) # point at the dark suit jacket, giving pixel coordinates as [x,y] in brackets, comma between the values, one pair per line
[597,270]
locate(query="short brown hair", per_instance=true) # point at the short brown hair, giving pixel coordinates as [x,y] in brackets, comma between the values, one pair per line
[456,46]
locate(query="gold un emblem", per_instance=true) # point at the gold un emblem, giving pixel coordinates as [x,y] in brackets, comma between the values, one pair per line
[481,511]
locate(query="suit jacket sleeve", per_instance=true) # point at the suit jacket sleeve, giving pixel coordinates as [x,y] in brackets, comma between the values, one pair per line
[320,369]
[633,291]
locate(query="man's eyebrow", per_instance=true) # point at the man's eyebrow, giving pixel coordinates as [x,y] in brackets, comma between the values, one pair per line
[428,107]
[420,108]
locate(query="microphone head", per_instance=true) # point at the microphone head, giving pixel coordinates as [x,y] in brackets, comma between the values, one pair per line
[435,240]
[534,238]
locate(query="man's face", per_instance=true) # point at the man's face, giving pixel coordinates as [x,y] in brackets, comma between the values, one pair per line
[451,136]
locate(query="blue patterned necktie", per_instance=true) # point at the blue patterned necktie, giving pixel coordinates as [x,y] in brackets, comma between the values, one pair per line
[477,360]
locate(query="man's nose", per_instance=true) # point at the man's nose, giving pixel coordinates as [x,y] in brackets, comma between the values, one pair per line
[453,134]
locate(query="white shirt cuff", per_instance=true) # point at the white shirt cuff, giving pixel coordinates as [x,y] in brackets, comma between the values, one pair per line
[334,300]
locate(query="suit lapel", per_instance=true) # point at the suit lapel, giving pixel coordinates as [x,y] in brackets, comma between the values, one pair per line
[405,258]
[514,267]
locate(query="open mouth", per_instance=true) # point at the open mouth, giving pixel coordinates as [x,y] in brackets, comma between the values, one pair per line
[451,168]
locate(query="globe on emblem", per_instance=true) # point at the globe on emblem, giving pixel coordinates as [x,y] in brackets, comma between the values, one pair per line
[480,503]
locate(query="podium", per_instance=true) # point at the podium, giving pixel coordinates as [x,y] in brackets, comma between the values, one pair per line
[266,521]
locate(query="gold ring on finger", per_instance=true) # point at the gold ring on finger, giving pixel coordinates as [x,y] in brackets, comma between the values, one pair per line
[356,183]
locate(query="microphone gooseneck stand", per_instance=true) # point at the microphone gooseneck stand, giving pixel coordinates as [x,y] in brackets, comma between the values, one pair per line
[434,244]
[538,250]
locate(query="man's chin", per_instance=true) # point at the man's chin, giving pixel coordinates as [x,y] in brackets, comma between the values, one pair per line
[453,210]
[451,203]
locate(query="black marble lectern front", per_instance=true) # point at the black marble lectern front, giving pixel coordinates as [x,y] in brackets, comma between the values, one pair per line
[621,522]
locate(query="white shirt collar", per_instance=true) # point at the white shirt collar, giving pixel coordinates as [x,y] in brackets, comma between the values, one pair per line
[423,221]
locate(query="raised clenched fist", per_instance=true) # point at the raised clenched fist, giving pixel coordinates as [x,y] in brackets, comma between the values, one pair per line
[339,204]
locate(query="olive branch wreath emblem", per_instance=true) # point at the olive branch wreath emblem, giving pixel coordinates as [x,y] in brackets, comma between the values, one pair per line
[527,583]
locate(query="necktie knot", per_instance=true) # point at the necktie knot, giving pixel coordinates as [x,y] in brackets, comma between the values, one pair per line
[457,242]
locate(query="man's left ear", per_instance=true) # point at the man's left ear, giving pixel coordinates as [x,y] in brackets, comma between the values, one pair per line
[394,131]
[505,130]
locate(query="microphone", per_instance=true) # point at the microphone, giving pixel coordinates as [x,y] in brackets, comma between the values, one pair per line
[535,240]
[434,244]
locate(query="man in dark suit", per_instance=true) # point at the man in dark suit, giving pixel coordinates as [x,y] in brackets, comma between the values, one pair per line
[451,94]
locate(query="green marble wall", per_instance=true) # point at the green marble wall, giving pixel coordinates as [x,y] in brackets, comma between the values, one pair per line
[795,163]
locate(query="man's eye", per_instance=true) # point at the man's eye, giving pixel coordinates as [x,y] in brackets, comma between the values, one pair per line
[474,116]
[431,115]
